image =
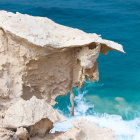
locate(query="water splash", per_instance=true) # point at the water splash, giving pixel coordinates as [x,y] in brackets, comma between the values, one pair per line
[124,129]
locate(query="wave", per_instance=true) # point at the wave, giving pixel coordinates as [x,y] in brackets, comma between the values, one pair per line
[124,129]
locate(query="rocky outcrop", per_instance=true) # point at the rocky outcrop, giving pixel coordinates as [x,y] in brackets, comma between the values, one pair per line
[41,60]
[35,115]
[27,113]
[44,59]
[92,131]
[7,135]
[25,119]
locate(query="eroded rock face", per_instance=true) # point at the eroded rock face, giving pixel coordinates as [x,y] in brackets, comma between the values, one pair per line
[41,128]
[7,135]
[44,59]
[72,134]
[41,60]
[27,113]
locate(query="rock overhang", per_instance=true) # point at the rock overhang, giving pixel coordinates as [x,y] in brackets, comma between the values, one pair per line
[44,32]
[46,59]
[43,59]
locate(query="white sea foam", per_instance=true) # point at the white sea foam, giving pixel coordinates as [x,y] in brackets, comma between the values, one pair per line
[124,130]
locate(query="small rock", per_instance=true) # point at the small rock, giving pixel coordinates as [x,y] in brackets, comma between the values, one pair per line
[41,128]
[22,133]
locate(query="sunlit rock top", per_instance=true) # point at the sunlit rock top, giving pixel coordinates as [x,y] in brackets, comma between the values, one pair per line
[46,33]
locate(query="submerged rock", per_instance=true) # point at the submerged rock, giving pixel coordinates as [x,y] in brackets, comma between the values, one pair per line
[7,135]
[22,133]
[41,128]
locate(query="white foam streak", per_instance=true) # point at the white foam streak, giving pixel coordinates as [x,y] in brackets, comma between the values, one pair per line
[124,130]
[81,108]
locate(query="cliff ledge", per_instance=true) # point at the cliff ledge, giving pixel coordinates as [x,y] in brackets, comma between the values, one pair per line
[41,60]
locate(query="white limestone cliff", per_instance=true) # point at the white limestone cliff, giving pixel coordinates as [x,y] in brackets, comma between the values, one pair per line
[44,59]
[27,113]
[39,61]
[34,114]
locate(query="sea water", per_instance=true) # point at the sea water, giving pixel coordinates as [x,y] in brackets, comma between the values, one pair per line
[113,102]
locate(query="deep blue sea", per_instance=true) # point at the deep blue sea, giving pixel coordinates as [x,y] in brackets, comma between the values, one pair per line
[114,101]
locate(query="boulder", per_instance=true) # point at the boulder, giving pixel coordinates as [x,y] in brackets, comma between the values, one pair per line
[7,135]
[92,131]
[34,114]
[22,133]
[41,128]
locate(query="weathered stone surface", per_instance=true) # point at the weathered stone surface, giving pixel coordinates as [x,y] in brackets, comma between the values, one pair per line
[46,33]
[73,134]
[92,131]
[40,58]
[7,135]
[41,128]
[81,130]
[28,113]
[44,59]
[22,133]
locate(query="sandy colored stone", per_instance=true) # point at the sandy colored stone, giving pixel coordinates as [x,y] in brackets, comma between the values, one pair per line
[28,113]
[22,133]
[44,59]
[73,134]
[41,60]
[46,33]
[7,135]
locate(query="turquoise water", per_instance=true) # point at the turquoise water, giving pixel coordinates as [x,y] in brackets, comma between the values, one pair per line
[116,97]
